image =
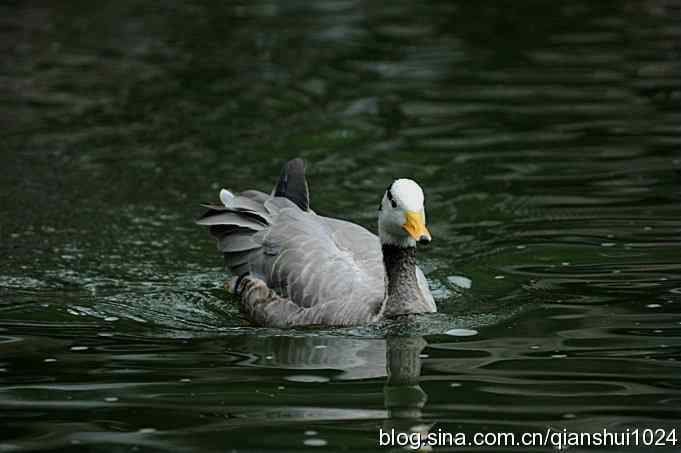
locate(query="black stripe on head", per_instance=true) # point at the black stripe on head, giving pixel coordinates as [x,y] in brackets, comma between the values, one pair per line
[389,193]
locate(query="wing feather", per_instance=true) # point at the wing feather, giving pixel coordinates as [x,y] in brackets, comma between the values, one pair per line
[240,219]
[317,263]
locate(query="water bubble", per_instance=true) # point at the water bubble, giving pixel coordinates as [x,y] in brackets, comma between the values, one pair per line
[185,380]
[499,277]
[653,306]
[315,442]
[461,282]
[147,430]
[79,348]
[111,318]
[50,360]
[111,399]
[461,332]
[307,378]
[310,432]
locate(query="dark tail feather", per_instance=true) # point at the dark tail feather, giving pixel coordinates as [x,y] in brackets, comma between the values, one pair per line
[292,184]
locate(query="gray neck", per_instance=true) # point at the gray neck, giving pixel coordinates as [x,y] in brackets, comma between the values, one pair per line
[403,293]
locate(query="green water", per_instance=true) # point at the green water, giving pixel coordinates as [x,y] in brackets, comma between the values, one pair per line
[546,136]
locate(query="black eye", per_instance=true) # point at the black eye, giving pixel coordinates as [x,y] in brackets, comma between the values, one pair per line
[394,205]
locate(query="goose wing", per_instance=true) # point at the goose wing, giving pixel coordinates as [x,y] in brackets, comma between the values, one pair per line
[312,259]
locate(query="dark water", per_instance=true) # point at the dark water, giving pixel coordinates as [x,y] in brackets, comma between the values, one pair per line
[546,135]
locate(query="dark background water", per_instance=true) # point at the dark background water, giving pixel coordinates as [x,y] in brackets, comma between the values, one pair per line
[546,136]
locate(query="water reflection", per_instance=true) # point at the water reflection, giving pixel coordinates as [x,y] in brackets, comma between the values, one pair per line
[396,360]
[404,397]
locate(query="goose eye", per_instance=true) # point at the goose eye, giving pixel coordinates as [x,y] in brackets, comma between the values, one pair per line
[393,204]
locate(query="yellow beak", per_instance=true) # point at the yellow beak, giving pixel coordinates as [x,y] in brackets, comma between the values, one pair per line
[416,227]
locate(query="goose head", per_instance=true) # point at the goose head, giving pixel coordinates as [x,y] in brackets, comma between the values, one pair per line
[401,215]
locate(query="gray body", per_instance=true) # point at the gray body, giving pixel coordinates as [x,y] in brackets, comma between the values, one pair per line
[305,269]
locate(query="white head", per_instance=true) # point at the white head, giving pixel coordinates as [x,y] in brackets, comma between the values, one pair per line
[401,216]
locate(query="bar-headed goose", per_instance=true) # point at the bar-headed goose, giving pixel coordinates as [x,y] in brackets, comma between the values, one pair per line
[298,268]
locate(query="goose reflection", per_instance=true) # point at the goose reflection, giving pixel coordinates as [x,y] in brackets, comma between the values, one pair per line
[310,359]
[403,396]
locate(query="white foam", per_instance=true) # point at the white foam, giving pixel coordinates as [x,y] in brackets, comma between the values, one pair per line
[462,332]
[461,282]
